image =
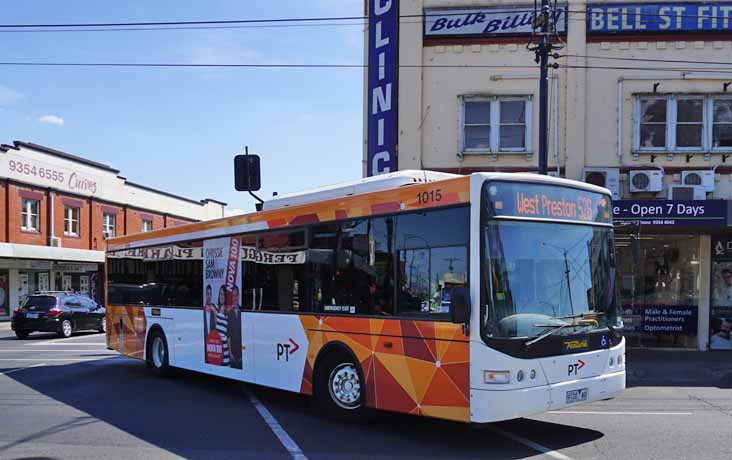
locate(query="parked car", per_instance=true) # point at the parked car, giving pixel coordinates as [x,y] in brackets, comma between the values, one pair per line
[61,313]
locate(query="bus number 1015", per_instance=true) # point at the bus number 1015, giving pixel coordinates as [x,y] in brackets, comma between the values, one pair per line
[432,196]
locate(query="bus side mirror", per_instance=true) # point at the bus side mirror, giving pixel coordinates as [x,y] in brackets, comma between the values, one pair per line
[247,176]
[460,306]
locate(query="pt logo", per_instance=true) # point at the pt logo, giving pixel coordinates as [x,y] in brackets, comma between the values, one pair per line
[284,350]
[574,367]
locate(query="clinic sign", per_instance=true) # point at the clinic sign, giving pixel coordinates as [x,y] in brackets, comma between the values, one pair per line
[381,110]
[664,213]
[486,22]
[662,17]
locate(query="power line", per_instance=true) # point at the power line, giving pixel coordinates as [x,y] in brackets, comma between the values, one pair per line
[672,61]
[350,66]
[365,19]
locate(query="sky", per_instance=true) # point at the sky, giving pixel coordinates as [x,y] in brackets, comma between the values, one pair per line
[179,129]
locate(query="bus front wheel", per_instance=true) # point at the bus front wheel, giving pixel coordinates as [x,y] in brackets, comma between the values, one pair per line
[157,354]
[340,386]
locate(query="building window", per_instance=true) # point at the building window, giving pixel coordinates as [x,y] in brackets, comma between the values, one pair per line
[682,123]
[109,225]
[147,225]
[493,125]
[722,123]
[29,215]
[71,221]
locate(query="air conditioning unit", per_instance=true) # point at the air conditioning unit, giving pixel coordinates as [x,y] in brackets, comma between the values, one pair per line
[604,177]
[687,192]
[54,242]
[648,180]
[704,177]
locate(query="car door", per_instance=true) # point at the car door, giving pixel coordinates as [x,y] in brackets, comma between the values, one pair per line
[94,313]
[78,315]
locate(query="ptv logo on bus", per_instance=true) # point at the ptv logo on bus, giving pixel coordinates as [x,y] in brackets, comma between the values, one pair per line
[284,350]
[574,367]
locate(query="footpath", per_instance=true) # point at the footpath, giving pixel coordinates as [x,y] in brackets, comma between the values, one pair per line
[678,368]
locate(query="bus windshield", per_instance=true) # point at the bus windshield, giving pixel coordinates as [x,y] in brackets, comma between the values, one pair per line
[547,276]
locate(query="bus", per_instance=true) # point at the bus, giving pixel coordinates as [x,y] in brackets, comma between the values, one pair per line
[473,298]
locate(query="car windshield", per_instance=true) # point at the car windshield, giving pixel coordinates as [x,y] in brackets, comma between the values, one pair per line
[40,302]
[543,276]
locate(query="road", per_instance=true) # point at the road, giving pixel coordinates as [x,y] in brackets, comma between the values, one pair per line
[73,399]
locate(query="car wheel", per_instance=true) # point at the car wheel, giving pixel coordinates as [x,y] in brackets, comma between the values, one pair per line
[66,329]
[103,325]
[340,387]
[157,354]
[22,335]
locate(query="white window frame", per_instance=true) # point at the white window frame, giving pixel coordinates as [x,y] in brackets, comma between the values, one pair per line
[70,220]
[109,225]
[672,123]
[710,133]
[27,215]
[146,221]
[495,125]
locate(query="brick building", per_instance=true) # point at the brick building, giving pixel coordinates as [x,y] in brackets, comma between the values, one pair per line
[56,210]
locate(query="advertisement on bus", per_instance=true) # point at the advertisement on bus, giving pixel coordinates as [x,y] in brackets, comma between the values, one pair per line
[221,304]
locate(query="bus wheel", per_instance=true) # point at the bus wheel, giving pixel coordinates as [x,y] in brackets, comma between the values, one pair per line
[157,354]
[340,389]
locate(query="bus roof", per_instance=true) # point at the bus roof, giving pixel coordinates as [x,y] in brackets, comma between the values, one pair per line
[390,193]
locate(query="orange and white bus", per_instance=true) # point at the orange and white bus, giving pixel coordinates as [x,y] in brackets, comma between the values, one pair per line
[472,298]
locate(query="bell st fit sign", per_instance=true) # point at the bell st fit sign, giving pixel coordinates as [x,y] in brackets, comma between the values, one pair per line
[381,110]
[660,17]
[486,22]
[696,213]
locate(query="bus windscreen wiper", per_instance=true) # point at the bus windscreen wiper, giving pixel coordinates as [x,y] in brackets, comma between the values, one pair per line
[556,329]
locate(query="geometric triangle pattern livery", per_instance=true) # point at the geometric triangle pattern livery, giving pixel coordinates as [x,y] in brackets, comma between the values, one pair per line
[414,367]
[126,329]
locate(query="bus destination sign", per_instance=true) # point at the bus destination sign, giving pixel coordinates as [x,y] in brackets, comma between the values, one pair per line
[538,201]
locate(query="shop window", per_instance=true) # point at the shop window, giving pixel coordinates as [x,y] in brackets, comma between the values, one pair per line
[109,225]
[492,124]
[684,123]
[659,289]
[722,129]
[71,221]
[147,225]
[29,215]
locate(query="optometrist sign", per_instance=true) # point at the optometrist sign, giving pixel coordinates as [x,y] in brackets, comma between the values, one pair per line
[381,110]
[662,17]
[486,22]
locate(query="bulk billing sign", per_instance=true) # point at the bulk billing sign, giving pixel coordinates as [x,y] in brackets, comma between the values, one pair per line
[663,17]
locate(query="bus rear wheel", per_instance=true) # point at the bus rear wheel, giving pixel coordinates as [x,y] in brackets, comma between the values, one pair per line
[340,387]
[157,354]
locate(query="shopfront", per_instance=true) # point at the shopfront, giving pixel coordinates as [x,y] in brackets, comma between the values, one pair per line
[720,318]
[667,274]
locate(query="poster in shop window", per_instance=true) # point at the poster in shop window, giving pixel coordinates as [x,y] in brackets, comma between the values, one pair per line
[720,319]
[221,304]
[4,310]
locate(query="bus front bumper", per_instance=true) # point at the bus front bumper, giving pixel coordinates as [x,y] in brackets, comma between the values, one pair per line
[495,405]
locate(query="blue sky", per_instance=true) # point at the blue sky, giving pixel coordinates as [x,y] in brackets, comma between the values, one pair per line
[178,129]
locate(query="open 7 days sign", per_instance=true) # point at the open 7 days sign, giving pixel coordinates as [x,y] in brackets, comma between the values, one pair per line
[671,212]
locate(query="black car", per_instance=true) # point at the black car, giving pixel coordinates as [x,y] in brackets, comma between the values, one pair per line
[61,313]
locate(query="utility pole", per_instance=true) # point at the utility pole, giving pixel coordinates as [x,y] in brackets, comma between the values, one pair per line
[543,22]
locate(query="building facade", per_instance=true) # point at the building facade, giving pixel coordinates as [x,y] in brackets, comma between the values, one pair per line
[640,102]
[57,209]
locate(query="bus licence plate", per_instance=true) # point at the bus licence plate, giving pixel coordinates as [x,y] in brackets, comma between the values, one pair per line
[575,396]
[31,315]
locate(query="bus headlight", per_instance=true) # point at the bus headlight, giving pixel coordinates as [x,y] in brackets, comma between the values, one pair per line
[496,376]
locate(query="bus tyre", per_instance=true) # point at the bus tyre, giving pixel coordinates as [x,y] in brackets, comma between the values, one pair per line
[65,329]
[157,354]
[340,387]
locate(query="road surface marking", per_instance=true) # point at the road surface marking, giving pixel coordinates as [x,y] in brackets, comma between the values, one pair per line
[52,359]
[616,413]
[285,439]
[68,344]
[22,368]
[58,341]
[530,444]
[65,350]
